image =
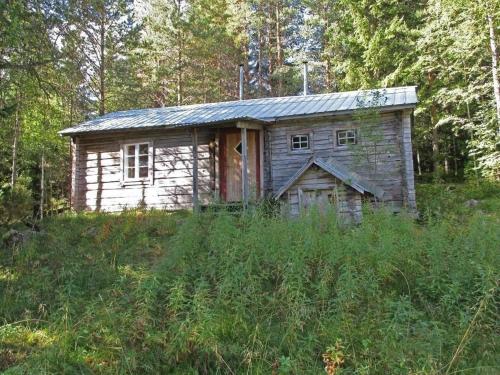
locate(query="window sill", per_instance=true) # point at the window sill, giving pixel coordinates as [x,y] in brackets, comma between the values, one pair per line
[139,182]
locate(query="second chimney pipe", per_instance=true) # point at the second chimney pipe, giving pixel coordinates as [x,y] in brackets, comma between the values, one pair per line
[305,78]
[241,81]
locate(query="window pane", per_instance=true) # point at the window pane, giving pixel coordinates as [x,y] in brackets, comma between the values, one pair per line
[300,142]
[346,137]
[143,172]
[131,173]
[130,150]
[238,148]
[143,161]
[131,161]
[143,149]
[342,137]
[352,137]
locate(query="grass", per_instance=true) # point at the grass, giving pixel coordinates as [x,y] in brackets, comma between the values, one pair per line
[220,293]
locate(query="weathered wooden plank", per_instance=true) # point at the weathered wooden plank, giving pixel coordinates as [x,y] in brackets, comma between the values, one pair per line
[99,170]
[360,157]
[244,166]
[408,188]
[161,185]
[75,156]
[195,169]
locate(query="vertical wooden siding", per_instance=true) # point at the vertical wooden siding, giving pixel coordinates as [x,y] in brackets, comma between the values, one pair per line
[409,198]
[98,173]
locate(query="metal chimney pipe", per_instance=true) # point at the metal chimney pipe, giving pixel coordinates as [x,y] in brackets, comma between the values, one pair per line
[305,78]
[241,81]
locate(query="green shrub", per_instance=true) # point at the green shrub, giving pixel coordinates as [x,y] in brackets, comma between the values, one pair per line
[16,204]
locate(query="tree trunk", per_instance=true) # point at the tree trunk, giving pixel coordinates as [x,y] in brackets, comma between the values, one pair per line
[476,172]
[179,57]
[259,64]
[419,166]
[455,157]
[204,83]
[326,42]
[102,46]
[14,146]
[435,134]
[435,143]
[494,67]
[179,75]
[269,51]
[42,185]
[279,58]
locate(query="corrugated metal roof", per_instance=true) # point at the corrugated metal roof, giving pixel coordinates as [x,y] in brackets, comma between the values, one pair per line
[265,109]
[337,170]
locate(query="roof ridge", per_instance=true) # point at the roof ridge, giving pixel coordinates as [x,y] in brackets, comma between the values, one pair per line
[246,102]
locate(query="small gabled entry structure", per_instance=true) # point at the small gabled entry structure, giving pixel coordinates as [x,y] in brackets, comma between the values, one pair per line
[323,182]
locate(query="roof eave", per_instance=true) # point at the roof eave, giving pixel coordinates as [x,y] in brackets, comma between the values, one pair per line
[70,132]
[359,186]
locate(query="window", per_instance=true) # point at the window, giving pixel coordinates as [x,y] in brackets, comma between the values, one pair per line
[238,148]
[300,142]
[136,163]
[346,137]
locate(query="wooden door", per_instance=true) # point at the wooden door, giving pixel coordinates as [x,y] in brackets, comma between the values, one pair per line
[230,164]
[320,198]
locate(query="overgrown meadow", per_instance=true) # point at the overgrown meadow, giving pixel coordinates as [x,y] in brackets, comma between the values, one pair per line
[225,293]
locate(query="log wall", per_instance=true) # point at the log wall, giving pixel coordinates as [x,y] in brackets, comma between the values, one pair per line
[97,173]
[382,155]
[98,181]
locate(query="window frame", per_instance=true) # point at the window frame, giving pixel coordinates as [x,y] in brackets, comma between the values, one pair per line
[347,137]
[299,132]
[124,167]
[302,138]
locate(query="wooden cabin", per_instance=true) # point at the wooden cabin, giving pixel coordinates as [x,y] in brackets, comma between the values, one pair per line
[330,149]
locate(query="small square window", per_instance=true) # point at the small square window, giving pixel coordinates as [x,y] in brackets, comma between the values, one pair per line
[347,137]
[300,142]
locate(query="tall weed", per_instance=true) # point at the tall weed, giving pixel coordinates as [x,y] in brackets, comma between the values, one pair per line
[252,293]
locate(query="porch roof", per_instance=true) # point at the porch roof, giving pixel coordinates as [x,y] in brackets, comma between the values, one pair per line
[263,110]
[337,170]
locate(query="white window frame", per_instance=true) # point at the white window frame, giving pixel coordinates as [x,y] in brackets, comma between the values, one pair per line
[353,137]
[124,162]
[303,138]
[290,133]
